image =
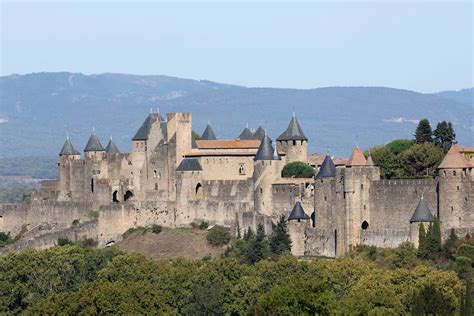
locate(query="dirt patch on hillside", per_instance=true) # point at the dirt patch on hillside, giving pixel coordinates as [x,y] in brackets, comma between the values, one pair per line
[171,243]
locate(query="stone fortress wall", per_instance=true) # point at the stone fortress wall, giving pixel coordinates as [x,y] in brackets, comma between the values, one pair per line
[171,179]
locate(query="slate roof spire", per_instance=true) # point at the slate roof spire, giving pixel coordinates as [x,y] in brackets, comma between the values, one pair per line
[208,133]
[94,143]
[327,170]
[265,151]
[259,133]
[422,213]
[111,148]
[293,131]
[68,148]
[370,162]
[144,130]
[297,213]
[246,134]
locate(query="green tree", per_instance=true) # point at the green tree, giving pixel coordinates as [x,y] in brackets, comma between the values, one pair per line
[280,241]
[433,240]
[387,161]
[258,246]
[297,169]
[423,133]
[398,146]
[421,160]
[449,244]
[218,236]
[444,135]
[422,241]
[196,135]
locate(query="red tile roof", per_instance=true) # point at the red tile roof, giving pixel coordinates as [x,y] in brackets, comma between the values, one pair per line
[357,158]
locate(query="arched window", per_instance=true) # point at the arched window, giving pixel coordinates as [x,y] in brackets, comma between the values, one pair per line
[114,197]
[127,195]
[241,169]
[198,188]
[365,225]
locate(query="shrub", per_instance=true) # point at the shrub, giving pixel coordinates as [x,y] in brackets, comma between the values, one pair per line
[204,225]
[218,236]
[297,169]
[5,239]
[94,215]
[140,230]
[64,241]
[156,229]
[87,243]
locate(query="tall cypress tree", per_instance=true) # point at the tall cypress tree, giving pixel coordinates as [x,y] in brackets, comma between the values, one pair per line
[444,135]
[423,133]
[258,246]
[433,240]
[466,301]
[280,241]
[421,241]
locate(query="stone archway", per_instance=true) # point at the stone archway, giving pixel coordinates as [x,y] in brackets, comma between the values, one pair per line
[128,195]
[114,197]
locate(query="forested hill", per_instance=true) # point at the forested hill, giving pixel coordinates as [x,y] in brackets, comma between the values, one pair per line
[38,109]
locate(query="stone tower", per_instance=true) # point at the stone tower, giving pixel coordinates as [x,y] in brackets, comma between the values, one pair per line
[355,192]
[455,193]
[67,156]
[96,167]
[326,211]
[298,221]
[421,216]
[267,168]
[293,142]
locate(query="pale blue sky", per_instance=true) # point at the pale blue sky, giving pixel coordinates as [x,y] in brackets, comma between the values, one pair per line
[422,46]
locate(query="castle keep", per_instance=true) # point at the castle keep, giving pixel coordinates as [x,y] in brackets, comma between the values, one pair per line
[172,179]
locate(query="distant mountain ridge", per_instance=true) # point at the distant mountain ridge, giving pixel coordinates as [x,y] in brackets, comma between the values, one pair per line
[36,110]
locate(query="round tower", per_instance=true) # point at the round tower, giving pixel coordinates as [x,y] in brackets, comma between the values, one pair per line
[421,216]
[267,168]
[67,156]
[298,221]
[293,143]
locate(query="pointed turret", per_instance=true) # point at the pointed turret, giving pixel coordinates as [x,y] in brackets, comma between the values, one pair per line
[246,134]
[422,213]
[357,158]
[298,213]
[68,149]
[111,148]
[454,160]
[259,133]
[266,150]
[94,143]
[208,133]
[327,170]
[370,162]
[144,130]
[276,156]
[293,132]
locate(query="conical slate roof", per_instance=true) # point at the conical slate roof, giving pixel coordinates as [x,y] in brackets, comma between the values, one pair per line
[357,158]
[111,148]
[246,134]
[422,213]
[94,143]
[189,164]
[68,149]
[265,151]
[293,132]
[327,170]
[298,213]
[370,162]
[144,130]
[259,133]
[208,133]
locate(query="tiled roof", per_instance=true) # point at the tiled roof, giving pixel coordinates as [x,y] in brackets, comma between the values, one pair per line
[293,132]
[189,164]
[227,144]
[68,149]
[265,151]
[317,160]
[94,143]
[111,148]
[297,213]
[259,133]
[327,170]
[357,158]
[370,162]
[422,213]
[208,133]
[246,134]
[455,160]
[144,131]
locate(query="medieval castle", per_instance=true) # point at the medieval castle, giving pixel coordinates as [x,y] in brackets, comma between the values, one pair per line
[172,179]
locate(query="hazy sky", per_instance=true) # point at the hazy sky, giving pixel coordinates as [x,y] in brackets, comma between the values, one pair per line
[423,46]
